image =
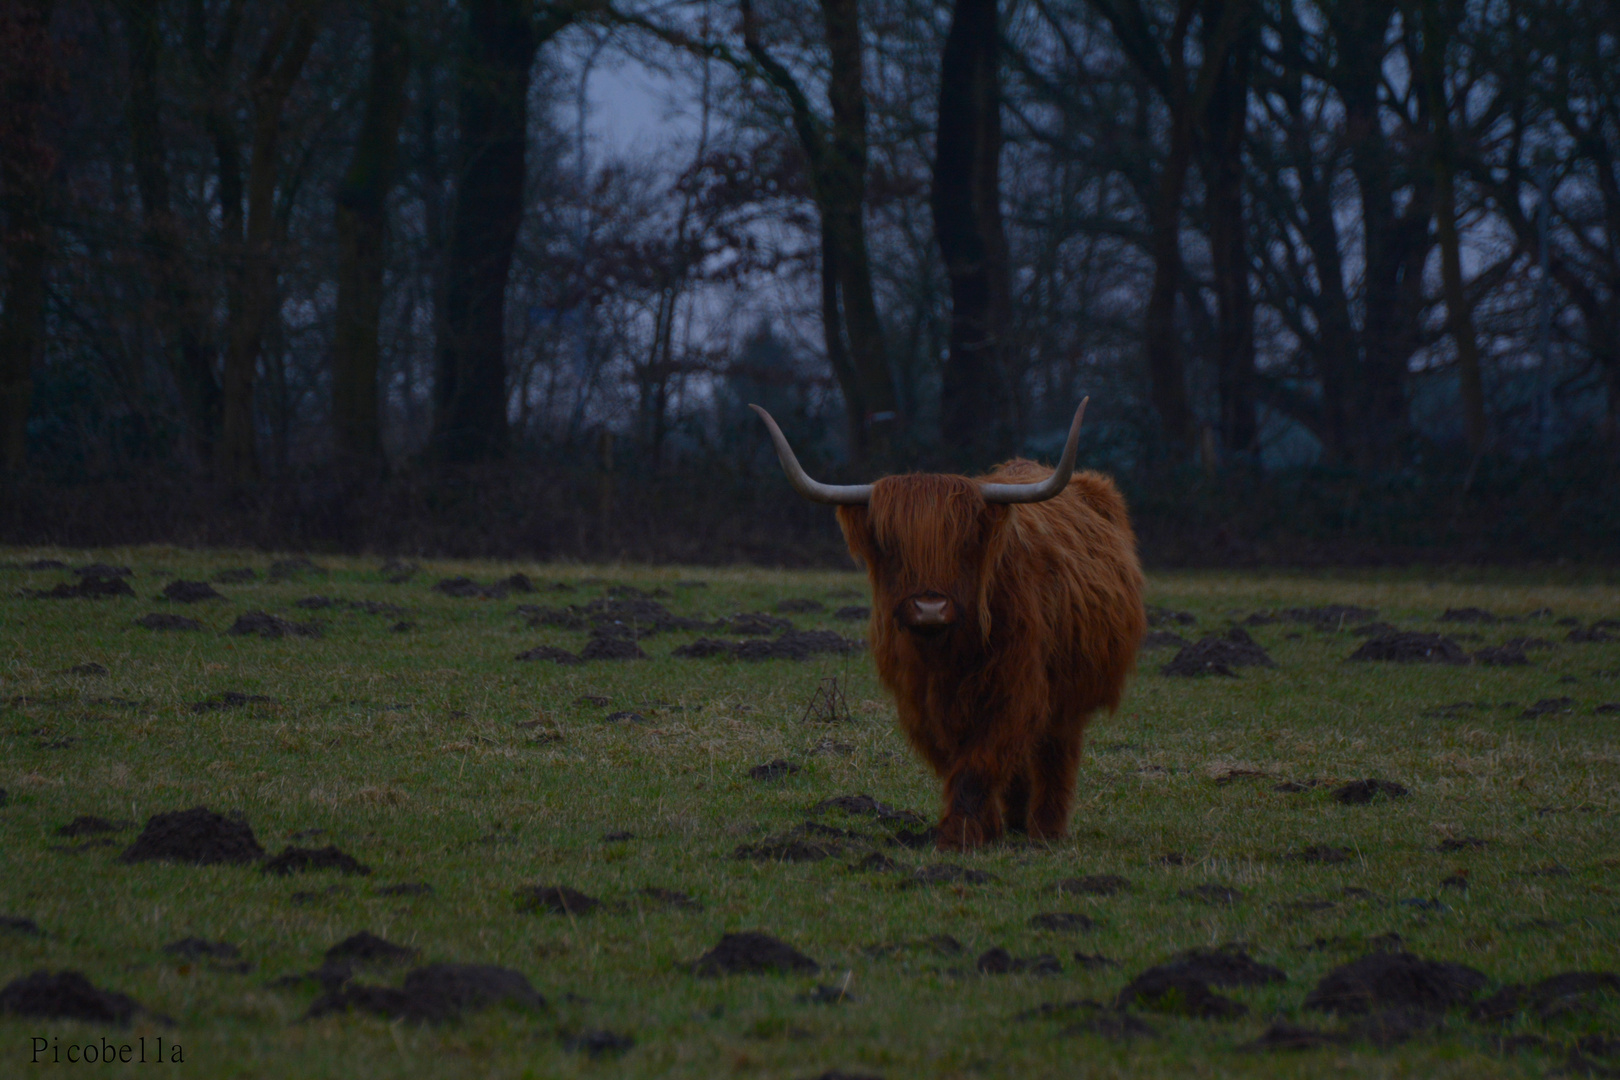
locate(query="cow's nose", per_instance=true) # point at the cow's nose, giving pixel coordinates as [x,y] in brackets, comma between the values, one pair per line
[929,613]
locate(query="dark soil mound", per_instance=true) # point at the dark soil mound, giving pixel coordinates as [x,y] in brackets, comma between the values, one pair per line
[396,572]
[875,863]
[1285,1036]
[773,770]
[466,588]
[1592,634]
[671,898]
[1411,647]
[162,620]
[625,716]
[88,588]
[301,860]
[1566,992]
[1093,885]
[104,570]
[267,625]
[367,948]
[611,648]
[90,825]
[549,652]
[1321,853]
[315,603]
[754,623]
[1384,980]
[1218,655]
[598,1043]
[1468,615]
[950,874]
[65,995]
[853,613]
[1164,639]
[196,836]
[558,899]
[1062,921]
[1158,616]
[230,699]
[1463,843]
[751,953]
[632,614]
[1094,961]
[915,838]
[407,888]
[1501,656]
[190,592]
[1361,792]
[436,993]
[820,641]
[1331,617]
[91,668]
[800,607]
[195,948]
[1227,966]
[518,583]
[1390,1027]
[239,576]
[999,961]
[45,564]
[705,647]
[793,645]
[788,847]
[866,806]
[286,568]
[16,924]
[1179,994]
[1113,1026]
[1212,894]
[1548,707]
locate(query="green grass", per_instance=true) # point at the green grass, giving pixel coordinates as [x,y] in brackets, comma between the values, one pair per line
[406,749]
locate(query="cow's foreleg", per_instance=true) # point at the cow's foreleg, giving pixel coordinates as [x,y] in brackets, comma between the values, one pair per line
[1056,760]
[1015,802]
[972,810]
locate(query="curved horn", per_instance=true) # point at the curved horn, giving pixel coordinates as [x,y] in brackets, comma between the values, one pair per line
[1041,489]
[815,491]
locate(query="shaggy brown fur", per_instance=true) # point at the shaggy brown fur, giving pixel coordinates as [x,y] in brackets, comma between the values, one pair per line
[1047,599]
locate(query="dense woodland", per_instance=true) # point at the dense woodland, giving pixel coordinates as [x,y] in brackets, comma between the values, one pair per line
[1344,273]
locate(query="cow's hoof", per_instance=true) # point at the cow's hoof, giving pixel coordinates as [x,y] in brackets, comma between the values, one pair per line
[962,834]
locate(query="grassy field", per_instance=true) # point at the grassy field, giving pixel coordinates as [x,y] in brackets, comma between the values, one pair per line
[431,755]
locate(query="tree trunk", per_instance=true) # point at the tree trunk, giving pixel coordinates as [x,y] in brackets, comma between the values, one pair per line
[1394,240]
[844,189]
[492,96]
[832,334]
[179,319]
[837,163]
[966,203]
[277,69]
[1443,152]
[1226,114]
[1164,65]
[362,224]
[26,164]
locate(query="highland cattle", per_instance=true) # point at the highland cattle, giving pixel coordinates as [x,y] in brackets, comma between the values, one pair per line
[1006,610]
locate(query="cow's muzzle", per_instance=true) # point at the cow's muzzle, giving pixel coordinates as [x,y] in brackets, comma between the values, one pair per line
[926,613]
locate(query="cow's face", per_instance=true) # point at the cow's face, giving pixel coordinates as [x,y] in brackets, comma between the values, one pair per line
[928,543]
